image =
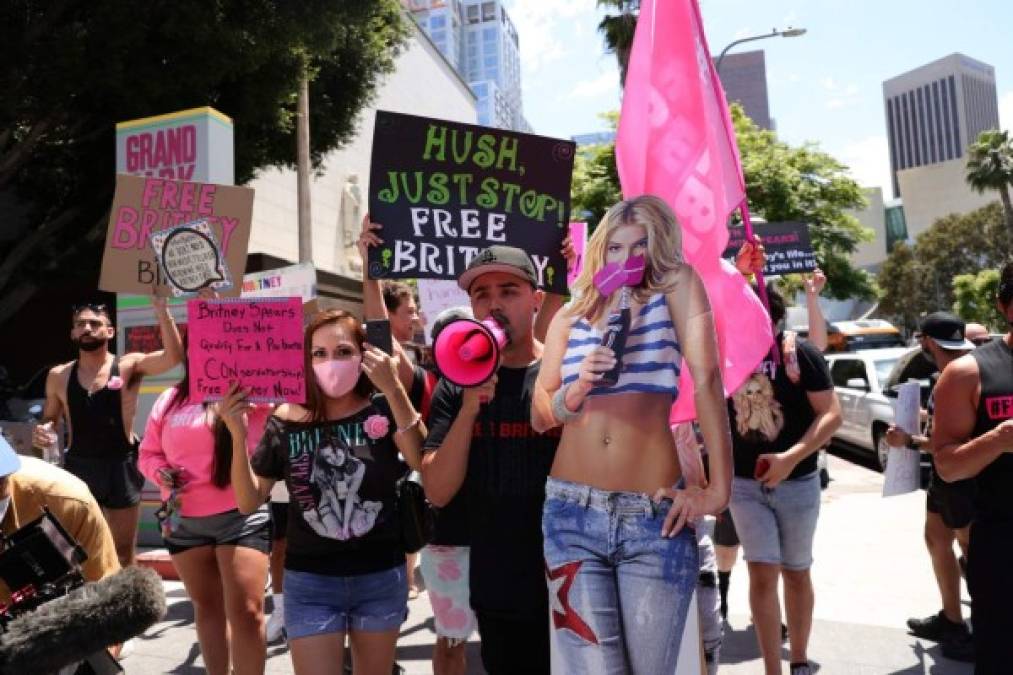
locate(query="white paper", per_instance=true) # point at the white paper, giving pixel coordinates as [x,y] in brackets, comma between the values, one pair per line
[903,466]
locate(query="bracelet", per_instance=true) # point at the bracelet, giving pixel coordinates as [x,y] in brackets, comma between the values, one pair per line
[559,409]
[414,423]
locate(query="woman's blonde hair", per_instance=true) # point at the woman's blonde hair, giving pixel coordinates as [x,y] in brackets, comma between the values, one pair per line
[664,252]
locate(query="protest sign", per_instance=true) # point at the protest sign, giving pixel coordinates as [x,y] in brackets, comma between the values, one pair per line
[293,281]
[903,465]
[436,295]
[789,250]
[190,258]
[443,191]
[143,206]
[578,235]
[257,342]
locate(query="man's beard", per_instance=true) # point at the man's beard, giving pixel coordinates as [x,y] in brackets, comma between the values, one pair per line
[92,345]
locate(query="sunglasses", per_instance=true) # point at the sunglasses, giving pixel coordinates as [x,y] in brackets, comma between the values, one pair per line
[981,341]
[93,306]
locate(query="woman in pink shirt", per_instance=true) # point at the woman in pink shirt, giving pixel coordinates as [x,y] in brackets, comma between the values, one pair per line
[221,554]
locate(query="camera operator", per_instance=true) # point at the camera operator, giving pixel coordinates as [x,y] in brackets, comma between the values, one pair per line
[28,484]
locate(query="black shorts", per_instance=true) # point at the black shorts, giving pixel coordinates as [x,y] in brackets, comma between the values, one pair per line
[724,530]
[115,483]
[954,502]
[512,645]
[232,528]
[279,520]
[991,586]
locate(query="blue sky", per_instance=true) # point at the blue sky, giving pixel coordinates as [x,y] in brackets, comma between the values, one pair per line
[825,86]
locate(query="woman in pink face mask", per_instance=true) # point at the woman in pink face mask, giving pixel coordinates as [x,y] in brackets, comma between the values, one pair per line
[338,455]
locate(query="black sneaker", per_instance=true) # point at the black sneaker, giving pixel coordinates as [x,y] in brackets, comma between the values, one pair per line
[801,669]
[937,628]
[960,649]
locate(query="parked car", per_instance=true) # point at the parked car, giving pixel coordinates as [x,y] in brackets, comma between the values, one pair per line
[862,382]
[853,336]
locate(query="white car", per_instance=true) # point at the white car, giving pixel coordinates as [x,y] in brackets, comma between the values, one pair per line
[860,380]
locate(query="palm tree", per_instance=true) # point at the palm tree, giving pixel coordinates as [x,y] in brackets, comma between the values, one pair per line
[618,31]
[990,167]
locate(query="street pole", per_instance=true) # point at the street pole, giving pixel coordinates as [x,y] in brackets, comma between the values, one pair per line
[302,140]
[789,32]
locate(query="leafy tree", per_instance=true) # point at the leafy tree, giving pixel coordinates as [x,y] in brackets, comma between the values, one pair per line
[595,185]
[618,31]
[786,183]
[952,246]
[901,282]
[990,167]
[72,69]
[975,299]
[783,183]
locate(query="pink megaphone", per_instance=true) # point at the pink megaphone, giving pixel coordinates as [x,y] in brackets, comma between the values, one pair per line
[467,351]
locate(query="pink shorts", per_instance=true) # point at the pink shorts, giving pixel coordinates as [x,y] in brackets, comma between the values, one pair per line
[445,570]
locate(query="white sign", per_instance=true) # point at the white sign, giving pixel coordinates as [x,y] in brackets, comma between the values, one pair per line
[294,281]
[436,295]
[903,466]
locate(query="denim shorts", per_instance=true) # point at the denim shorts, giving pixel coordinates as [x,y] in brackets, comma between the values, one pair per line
[317,604]
[619,592]
[777,525]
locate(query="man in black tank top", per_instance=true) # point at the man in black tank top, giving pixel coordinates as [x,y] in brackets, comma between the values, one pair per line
[974,439]
[96,396]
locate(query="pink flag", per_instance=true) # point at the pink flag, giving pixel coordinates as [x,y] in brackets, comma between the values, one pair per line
[676,141]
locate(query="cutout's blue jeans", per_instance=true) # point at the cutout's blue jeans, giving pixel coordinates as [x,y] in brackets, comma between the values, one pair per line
[619,592]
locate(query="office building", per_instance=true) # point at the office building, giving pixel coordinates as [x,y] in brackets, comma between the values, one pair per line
[744,77]
[480,41]
[935,111]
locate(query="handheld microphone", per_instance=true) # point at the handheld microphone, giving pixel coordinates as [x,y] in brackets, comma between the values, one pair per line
[89,619]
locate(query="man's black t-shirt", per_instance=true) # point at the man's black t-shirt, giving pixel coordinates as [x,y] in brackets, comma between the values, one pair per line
[769,413]
[342,518]
[508,464]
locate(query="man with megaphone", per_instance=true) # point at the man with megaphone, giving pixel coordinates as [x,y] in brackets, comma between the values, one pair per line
[481,443]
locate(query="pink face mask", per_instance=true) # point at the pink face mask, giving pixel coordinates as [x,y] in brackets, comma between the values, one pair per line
[614,276]
[337,378]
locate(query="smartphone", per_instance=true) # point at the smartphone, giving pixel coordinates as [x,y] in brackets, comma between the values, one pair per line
[378,335]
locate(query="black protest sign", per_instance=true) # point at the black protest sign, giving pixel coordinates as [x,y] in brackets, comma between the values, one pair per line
[444,191]
[788,248]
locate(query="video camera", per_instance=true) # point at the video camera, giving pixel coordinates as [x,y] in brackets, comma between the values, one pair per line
[40,562]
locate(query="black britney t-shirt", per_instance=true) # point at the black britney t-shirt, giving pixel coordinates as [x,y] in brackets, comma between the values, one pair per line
[340,479]
[769,412]
[508,464]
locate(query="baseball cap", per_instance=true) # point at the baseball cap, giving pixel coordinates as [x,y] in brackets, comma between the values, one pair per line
[506,259]
[9,460]
[946,330]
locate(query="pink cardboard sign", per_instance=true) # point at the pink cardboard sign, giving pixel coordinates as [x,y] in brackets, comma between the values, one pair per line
[257,342]
[578,235]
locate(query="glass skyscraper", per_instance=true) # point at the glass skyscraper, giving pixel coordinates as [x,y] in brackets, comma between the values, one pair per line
[478,38]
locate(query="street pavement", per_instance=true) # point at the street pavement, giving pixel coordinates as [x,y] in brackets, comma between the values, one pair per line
[871,574]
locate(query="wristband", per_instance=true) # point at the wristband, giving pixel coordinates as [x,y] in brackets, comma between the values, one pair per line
[559,409]
[412,424]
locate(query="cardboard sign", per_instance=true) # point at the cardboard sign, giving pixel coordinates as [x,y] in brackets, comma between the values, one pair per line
[788,248]
[143,206]
[436,295]
[578,235]
[258,343]
[444,191]
[191,258]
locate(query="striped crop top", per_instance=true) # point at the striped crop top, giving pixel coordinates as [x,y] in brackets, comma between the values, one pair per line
[652,359]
